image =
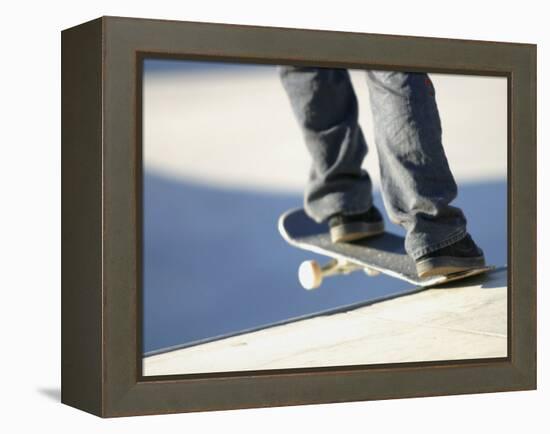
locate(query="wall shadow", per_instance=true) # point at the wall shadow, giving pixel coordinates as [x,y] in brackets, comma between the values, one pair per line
[51,393]
[215,264]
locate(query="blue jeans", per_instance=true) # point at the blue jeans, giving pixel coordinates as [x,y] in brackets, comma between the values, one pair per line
[417,183]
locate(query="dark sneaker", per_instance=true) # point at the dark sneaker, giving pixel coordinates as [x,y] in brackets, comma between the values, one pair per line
[460,256]
[356,226]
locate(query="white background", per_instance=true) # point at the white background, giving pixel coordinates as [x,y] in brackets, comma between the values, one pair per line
[30,218]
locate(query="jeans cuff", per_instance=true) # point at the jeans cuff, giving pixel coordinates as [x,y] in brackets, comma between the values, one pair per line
[453,238]
[337,203]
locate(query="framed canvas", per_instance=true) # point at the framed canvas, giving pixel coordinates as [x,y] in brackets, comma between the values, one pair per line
[182,145]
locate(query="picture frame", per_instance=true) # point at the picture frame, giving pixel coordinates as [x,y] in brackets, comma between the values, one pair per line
[102,216]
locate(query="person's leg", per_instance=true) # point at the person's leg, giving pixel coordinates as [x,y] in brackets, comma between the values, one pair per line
[417,183]
[325,105]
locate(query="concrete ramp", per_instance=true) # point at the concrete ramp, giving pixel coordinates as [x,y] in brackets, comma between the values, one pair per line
[464,320]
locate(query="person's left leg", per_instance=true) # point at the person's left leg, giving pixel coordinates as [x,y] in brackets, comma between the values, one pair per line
[417,183]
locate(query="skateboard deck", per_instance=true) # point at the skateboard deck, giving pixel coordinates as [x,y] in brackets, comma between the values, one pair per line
[379,254]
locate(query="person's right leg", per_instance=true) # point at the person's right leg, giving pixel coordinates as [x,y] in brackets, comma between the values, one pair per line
[338,190]
[417,183]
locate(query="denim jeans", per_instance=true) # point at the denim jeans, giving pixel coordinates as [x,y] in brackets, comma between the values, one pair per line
[417,183]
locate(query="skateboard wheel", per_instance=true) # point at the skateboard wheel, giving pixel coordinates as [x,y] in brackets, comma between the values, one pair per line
[372,272]
[310,274]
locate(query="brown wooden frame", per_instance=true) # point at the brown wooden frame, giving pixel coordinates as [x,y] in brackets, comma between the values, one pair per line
[101,216]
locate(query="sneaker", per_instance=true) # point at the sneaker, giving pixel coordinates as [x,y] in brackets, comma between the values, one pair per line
[460,256]
[356,226]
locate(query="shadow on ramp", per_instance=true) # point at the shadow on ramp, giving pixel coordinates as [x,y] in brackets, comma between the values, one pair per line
[215,265]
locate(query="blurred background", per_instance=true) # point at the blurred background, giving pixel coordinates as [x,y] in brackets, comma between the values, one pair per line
[223,158]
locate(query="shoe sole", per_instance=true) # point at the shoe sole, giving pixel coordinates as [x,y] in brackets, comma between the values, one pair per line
[445,265]
[355,231]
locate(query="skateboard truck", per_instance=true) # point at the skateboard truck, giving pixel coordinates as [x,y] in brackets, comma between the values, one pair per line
[311,273]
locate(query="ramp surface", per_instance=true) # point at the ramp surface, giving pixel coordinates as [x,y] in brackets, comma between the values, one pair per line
[462,320]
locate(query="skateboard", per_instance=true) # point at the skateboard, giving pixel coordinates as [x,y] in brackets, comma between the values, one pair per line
[379,254]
